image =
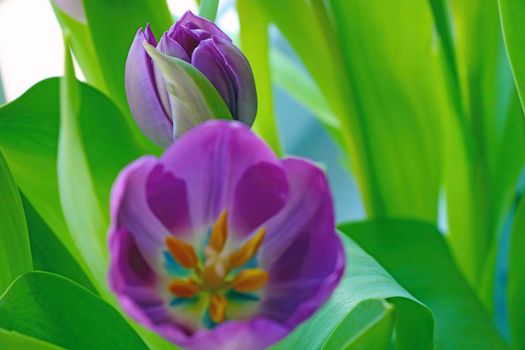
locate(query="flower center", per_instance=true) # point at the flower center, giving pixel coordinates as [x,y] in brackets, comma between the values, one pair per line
[215,276]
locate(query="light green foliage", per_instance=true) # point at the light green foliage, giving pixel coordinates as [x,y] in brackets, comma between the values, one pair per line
[417,256]
[55,310]
[365,279]
[15,254]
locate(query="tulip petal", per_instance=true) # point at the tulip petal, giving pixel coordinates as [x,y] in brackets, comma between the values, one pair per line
[302,253]
[138,186]
[211,159]
[260,193]
[193,99]
[228,70]
[141,90]
[201,26]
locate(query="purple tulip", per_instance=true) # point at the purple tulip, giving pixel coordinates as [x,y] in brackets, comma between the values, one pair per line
[219,244]
[202,44]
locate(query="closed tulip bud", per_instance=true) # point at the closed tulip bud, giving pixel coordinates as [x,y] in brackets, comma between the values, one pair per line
[164,103]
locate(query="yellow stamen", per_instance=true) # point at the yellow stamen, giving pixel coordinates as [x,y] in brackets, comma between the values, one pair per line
[182,252]
[249,280]
[184,288]
[217,307]
[219,233]
[247,251]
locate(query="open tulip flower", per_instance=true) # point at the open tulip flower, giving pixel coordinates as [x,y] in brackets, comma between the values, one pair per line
[199,42]
[219,244]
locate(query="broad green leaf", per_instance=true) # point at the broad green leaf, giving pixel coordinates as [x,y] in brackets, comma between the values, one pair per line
[82,46]
[516,286]
[194,98]
[15,253]
[512,13]
[364,279]
[417,256]
[53,309]
[29,140]
[254,24]
[82,210]
[113,25]
[368,326]
[17,341]
[49,253]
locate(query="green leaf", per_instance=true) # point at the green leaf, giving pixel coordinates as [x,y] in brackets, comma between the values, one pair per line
[512,13]
[82,211]
[416,255]
[49,254]
[113,26]
[254,24]
[208,9]
[29,140]
[15,253]
[53,309]
[194,98]
[516,287]
[83,48]
[368,326]
[17,341]
[364,279]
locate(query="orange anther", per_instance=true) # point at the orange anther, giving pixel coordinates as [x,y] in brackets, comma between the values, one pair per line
[217,307]
[184,288]
[219,233]
[242,255]
[249,280]
[182,252]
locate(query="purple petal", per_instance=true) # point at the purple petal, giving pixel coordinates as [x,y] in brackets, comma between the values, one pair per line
[255,334]
[141,90]
[167,198]
[136,187]
[227,69]
[134,282]
[172,48]
[211,158]
[201,25]
[260,193]
[302,252]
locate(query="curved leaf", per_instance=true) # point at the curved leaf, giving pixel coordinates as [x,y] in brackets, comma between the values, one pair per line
[368,326]
[194,98]
[15,253]
[416,255]
[364,279]
[49,254]
[53,309]
[512,13]
[17,341]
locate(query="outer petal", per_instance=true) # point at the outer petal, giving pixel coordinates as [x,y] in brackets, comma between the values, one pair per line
[201,26]
[139,204]
[229,71]
[141,90]
[211,158]
[302,252]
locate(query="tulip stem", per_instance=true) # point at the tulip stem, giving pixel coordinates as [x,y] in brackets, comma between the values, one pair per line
[208,9]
